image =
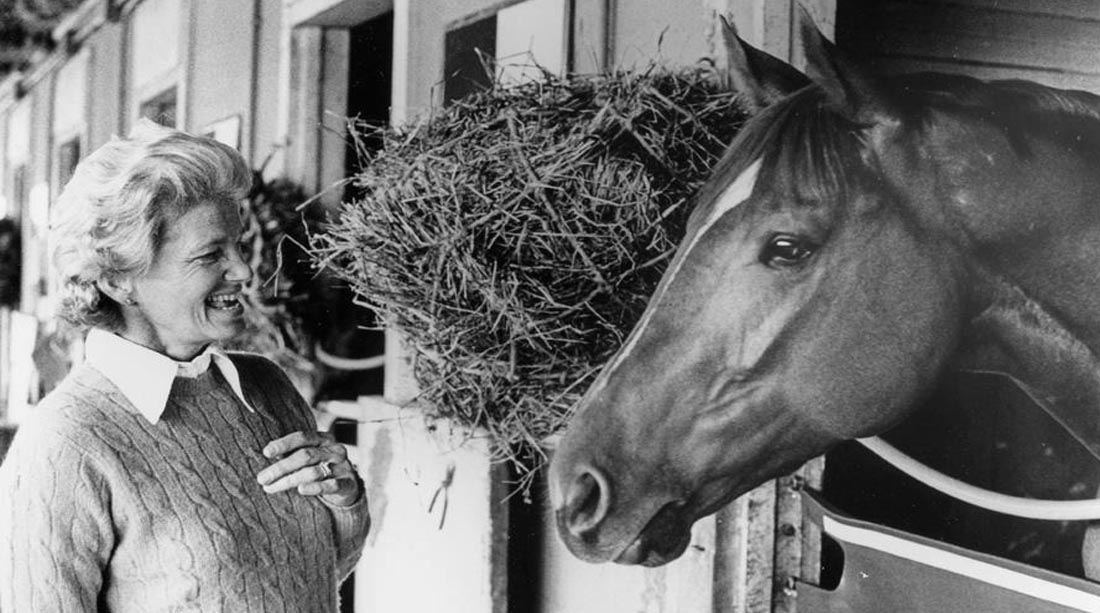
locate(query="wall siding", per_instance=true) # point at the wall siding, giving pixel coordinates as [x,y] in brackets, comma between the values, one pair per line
[221,53]
[1057,44]
[105,84]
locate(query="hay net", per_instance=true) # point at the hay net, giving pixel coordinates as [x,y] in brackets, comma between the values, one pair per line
[514,237]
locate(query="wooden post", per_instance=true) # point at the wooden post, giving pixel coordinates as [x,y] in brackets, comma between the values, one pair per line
[744,558]
[765,546]
[591,37]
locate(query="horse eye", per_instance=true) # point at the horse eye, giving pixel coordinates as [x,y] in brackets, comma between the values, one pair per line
[786,250]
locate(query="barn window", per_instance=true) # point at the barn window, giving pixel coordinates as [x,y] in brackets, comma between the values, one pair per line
[161,108]
[515,43]
[156,41]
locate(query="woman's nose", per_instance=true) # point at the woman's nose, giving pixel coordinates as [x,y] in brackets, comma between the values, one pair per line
[239,271]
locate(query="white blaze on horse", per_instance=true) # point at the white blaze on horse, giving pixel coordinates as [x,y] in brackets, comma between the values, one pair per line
[861,238]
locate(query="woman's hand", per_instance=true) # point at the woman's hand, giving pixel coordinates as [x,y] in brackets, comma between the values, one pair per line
[312,462]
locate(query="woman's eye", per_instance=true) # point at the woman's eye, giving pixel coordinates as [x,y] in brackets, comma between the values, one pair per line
[785,250]
[210,256]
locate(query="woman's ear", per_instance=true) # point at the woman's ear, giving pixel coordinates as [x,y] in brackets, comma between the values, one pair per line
[117,287]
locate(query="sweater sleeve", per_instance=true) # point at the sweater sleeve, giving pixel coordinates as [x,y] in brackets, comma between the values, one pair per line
[351,526]
[56,533]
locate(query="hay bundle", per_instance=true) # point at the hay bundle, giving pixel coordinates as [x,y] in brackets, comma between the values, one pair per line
[516,236]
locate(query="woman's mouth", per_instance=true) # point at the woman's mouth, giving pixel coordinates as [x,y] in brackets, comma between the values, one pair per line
[225,302]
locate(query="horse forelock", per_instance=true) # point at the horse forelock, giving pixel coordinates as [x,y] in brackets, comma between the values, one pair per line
[811,154]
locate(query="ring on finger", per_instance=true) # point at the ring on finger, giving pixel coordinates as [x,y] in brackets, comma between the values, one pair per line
[326,469]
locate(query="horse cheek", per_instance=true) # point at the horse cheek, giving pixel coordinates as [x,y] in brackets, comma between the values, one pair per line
[919,330]
[880,349]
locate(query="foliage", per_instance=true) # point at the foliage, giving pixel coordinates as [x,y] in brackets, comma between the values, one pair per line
[276,232]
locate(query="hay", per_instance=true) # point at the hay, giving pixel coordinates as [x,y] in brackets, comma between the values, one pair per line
[515,237]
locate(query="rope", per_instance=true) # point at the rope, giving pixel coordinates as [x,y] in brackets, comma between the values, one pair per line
[1032,508]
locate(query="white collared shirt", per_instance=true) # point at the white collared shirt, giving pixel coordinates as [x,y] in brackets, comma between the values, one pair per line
[145,377]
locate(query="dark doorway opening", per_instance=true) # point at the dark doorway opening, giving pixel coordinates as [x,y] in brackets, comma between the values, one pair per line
[370,78]
[468,52]
[350,332]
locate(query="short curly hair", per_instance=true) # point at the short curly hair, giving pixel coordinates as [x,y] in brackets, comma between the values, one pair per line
[111,218]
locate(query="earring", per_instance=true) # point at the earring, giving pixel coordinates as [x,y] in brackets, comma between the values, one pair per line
[130,301]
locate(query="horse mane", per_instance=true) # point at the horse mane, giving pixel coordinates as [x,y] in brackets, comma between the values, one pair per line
[1003,97]
[1019,108]
[813,155]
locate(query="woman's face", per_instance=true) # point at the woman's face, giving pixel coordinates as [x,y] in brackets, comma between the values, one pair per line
[189,297]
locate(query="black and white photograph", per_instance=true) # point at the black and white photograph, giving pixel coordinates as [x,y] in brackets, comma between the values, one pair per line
[550,306]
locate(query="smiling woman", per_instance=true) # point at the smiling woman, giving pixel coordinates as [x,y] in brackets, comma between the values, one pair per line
[189,296]
[165,473]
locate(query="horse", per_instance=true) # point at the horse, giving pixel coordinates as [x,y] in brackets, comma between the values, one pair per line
[863,238]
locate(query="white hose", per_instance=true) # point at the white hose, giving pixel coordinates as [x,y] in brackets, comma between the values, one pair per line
[339,363]
[1033,508]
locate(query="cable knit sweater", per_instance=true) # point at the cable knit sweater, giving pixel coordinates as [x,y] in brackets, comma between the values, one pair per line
[103,510]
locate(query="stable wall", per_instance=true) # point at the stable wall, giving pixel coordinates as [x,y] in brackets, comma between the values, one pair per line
[219,79]
[104,83]
[644,31]
[1054,43]
[264,132]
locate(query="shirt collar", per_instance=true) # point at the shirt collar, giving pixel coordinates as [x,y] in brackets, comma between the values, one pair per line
[145,377]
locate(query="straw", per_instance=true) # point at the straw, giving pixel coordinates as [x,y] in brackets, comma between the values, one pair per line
[516,235]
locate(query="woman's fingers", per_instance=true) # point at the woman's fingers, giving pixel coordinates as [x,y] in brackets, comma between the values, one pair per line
[296,440]
[305,460]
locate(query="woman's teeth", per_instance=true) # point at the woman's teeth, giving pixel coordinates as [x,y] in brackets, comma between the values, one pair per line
[223,301]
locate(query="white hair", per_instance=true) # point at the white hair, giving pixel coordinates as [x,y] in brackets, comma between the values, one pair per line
[111,218]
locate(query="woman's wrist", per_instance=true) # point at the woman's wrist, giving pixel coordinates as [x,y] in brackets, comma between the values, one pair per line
[348,498]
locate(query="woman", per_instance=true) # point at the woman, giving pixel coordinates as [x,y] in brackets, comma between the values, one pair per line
[163,473]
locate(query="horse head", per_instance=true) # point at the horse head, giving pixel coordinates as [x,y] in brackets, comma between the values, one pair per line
[836,263]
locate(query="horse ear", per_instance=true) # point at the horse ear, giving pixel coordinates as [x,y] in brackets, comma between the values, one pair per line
[758,77]
[847,85]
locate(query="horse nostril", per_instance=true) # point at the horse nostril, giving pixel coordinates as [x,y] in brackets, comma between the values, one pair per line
[587,502]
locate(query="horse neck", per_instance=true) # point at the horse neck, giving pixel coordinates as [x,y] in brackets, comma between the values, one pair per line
[1035,222]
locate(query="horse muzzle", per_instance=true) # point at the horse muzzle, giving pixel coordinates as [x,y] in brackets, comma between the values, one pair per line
[594,533]
[665,538]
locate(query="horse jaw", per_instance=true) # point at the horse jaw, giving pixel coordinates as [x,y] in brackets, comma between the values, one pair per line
[657,497]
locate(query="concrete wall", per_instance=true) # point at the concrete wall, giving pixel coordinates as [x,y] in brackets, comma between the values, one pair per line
[105,68]
[220,75]
[265,132]
[644,31]
[439,517]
